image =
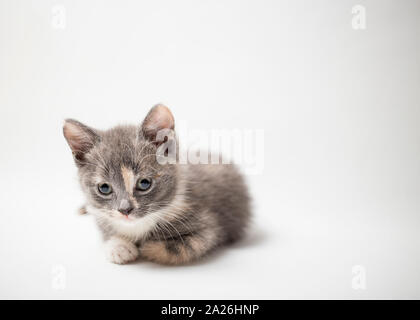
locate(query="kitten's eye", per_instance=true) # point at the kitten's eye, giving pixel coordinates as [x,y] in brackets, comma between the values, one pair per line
[104,188]
[143,184]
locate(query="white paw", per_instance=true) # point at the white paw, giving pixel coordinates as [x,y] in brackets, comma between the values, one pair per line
[120,251]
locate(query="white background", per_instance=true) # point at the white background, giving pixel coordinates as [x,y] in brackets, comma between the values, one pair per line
[340,109]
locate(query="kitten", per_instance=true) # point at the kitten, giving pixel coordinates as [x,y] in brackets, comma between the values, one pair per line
[168,213]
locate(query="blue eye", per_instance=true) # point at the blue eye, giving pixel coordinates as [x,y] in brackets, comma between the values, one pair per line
[104,188]
[143,184]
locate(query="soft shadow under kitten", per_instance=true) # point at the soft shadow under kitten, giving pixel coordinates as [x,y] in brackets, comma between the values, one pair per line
[168,213]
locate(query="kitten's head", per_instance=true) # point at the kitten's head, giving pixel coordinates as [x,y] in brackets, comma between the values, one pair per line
[119,169]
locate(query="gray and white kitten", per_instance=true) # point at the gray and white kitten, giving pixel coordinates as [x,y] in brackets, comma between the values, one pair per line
[167,213]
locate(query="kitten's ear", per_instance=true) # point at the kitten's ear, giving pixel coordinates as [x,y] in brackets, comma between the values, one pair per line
[80,138]
[158,119]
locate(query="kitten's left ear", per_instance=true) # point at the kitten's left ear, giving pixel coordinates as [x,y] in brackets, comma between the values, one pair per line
[157,120]
[80,138]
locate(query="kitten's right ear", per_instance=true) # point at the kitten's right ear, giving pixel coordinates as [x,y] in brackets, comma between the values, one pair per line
[159,119]
[80,138]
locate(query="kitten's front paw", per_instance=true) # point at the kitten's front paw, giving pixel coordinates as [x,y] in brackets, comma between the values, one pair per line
[121,251]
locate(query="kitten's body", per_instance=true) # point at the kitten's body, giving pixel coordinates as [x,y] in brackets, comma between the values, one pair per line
[191,209]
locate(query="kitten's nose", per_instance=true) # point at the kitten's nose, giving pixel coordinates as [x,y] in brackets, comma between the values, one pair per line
[125,211]
[125,207]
